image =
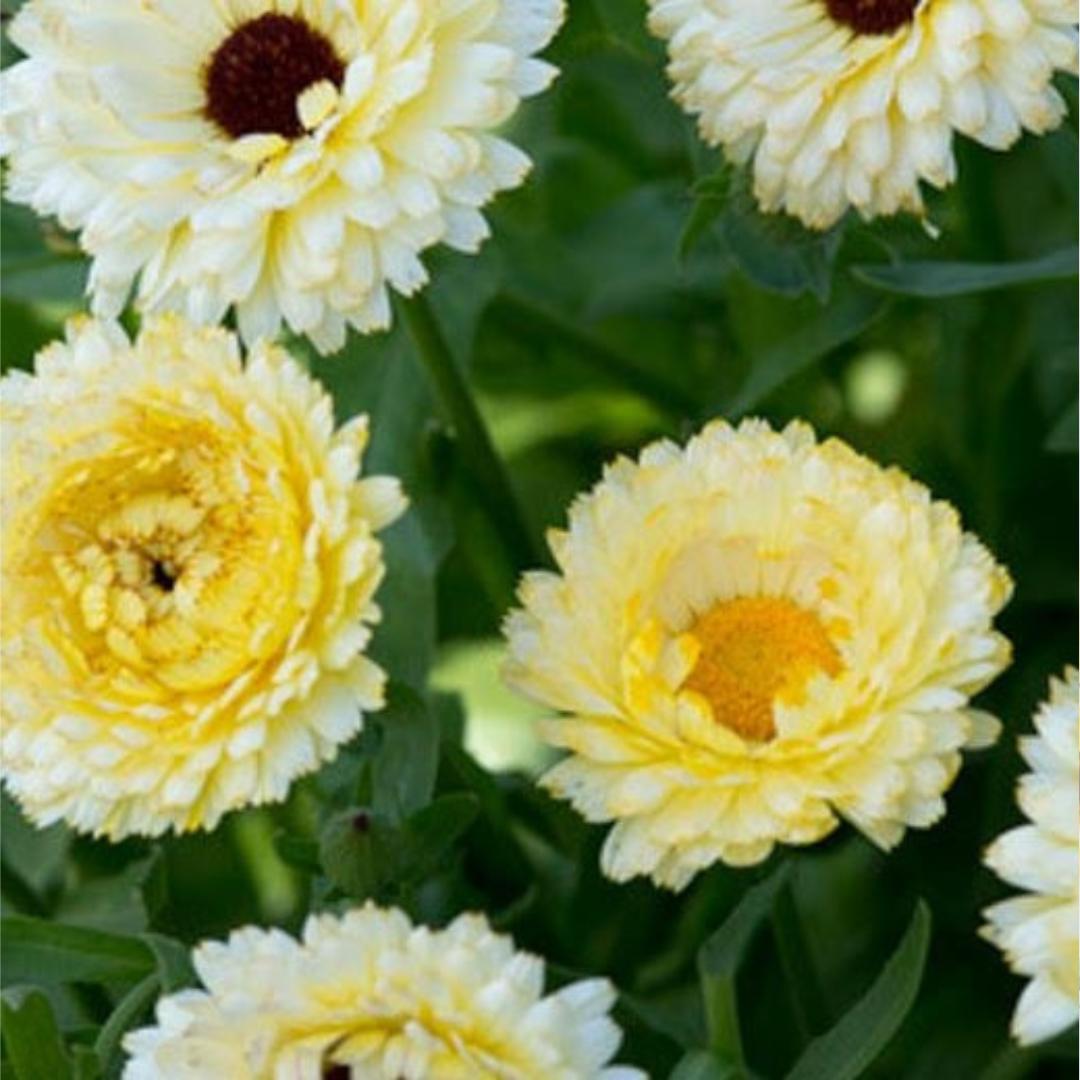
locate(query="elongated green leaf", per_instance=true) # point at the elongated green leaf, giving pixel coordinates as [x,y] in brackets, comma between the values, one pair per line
[31,1037]
[719,960]
[135,1004]
[934,279]
[844,319]
[33,950]
[851,1045]
[701,1065]
[432,832]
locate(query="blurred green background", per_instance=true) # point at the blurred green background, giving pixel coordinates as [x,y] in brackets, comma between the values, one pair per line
[631,291]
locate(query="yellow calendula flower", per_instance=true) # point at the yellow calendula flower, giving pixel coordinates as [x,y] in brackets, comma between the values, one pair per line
[751,637]
[853,103]
[1038,932]
[370,995]
[188,566]
[290,159]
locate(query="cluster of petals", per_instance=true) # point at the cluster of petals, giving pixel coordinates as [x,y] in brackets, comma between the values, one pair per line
[847,103]
[370,995]
[1038,931]
[112,125]
[751,637]
[189,565]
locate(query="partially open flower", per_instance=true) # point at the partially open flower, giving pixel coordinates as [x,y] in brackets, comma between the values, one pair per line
[189,561]
[1038,932]
[841,103]
[752,637]
[371,995]
[288,158]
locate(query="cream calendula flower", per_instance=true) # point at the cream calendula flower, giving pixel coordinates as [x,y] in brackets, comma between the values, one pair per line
[369,995]
[839,103]
[289,158]
[752,636]
[1038,932]
[189,560]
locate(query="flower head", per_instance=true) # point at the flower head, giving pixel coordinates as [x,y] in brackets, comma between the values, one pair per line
[189,561]
[851,103]
[1038,932]
[371,995]
[289,158]
[750,637]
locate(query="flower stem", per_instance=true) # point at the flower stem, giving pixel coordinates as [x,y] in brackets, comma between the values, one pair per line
[477,449]
[804,984]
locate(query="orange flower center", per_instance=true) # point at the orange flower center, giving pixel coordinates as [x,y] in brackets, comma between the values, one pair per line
[755,651]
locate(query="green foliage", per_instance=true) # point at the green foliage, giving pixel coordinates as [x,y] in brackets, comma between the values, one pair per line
[630,291]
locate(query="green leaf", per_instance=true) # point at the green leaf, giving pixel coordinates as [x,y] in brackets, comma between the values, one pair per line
[173,958]
[852,1045]
[936,279]
[701,1065]
[132,1008]
[403,771]
[298,852]
[31,1036]
[1063,435]
[432,832]
[40,262]
[34,950]
[721,956]
[851,312]
[775,251]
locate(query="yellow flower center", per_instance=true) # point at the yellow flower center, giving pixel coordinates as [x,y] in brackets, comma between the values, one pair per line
[162,551]
[755,651]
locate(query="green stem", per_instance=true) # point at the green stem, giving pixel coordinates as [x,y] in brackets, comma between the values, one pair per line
[722,1023]
[461,411]
[804,984]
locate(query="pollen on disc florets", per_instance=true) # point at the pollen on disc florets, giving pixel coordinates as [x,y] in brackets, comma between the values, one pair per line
[255,76]
[872,16]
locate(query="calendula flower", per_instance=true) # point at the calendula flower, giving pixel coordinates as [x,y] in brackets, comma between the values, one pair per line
[370,995]
[1038,932]
[851,103]
[287,158]
[750,638]
[188,567]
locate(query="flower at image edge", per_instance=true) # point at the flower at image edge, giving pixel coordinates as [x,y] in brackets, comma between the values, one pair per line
[290,161]
[372,991]
[189,562]
[1038,932]
[849,103]
[750,638]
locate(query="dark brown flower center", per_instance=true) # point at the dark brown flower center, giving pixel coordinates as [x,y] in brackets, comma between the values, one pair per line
[872,16]
[256,74]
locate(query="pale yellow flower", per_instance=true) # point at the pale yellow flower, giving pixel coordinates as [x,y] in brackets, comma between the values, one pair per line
[1038,932]
[369,995]
[853,103]
[288,158]
[751,637]
[189,562]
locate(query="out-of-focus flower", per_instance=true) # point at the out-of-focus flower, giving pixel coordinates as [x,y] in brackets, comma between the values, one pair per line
[752,636]
[189,561]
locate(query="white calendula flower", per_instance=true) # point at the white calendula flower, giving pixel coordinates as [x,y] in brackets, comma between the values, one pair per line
[1038,932]
[188,565]
[750,638]
[370,995]
[851,103]
[289,159]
